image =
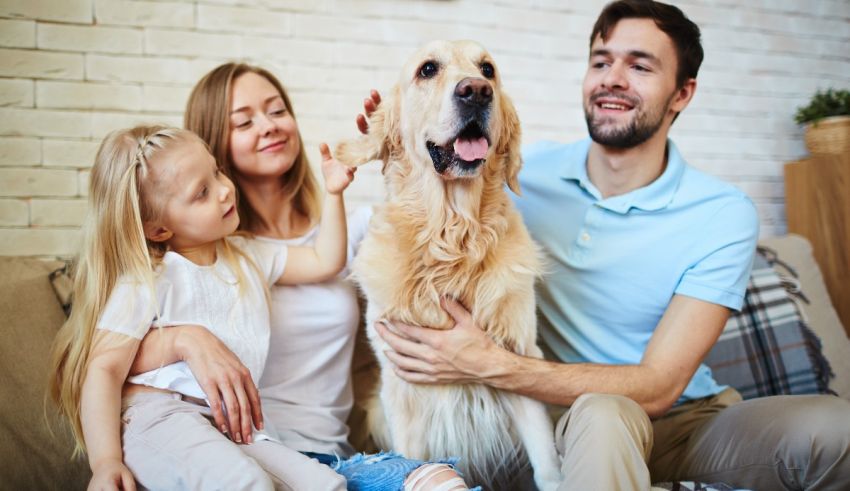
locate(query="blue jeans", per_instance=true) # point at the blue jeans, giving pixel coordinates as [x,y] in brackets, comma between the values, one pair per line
[384,471]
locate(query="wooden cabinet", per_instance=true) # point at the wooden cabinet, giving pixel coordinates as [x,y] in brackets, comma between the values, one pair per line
[817,204]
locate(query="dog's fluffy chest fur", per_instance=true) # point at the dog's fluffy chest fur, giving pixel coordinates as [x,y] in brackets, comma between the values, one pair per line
[424,256]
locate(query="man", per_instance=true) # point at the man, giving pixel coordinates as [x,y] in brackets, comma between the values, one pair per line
[646,257]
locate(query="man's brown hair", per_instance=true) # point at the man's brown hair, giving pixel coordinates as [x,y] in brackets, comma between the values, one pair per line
[672,21]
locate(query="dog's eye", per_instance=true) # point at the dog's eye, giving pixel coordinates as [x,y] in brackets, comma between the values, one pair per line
[428,69]
[487,70]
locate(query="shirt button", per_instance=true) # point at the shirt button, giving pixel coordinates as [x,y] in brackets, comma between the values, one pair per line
[585,237]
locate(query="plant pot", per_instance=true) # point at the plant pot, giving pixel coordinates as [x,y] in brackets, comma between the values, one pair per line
[830,136]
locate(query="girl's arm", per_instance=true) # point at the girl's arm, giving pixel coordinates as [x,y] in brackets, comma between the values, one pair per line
[220,373]
[327,258]
[100,409]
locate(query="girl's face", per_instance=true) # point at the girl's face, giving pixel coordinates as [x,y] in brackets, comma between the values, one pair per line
[197,201]
[263,134]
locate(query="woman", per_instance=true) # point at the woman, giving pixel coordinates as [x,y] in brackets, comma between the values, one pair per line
[246,117]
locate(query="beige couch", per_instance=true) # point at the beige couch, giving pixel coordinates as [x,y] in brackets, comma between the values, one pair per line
[36,446]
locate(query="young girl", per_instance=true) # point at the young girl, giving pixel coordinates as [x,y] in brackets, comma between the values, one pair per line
[157,253]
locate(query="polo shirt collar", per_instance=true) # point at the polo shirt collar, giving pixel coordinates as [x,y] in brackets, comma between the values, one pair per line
[652,197]
[575,166]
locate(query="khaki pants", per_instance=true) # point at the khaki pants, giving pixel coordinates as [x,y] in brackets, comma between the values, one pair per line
[171,444]
[608,443]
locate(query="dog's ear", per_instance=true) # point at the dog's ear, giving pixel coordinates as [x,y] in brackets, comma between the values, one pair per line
[509,143]
[383,139]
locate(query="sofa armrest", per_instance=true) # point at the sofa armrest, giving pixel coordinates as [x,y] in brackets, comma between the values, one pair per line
[819,314]
[36,447]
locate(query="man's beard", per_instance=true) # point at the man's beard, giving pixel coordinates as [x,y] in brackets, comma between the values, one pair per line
[640,129]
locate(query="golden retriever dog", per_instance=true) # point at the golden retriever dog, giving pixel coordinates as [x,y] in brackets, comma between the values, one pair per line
[449,141]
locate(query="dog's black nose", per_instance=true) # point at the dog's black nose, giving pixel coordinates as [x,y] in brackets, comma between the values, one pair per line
[474,91]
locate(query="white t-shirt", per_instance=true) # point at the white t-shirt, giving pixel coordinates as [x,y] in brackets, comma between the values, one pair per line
[187,293]
[306,387]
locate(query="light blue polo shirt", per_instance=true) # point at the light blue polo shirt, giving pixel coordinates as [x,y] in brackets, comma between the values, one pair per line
[613,265]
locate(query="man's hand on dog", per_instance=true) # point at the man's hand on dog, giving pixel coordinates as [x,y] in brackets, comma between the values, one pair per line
[433,356]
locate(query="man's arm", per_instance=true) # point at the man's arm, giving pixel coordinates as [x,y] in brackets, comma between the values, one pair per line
[687,331]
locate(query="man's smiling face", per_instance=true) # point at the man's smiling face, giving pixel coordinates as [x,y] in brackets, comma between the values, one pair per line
[630,84]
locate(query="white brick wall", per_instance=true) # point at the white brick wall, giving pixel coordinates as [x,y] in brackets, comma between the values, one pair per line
[72,70]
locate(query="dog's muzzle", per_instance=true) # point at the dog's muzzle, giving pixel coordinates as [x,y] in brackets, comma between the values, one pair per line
[467,150]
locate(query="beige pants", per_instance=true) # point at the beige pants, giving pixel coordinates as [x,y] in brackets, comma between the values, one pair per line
[171,444]
[608,443]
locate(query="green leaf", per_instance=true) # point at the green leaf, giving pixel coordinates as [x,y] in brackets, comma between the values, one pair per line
[823,105]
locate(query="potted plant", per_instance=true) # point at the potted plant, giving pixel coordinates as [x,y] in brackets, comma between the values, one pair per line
[827,120]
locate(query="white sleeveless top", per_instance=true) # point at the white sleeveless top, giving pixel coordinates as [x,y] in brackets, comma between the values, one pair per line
[306,386]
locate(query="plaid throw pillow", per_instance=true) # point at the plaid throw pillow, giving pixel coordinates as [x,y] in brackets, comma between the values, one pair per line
[766,348]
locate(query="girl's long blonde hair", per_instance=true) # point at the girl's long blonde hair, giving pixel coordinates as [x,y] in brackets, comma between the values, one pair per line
[121,201]
[208,115]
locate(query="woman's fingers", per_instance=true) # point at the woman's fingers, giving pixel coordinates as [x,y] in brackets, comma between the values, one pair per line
[246,430]
[241,401]
[370,105]
[227,383]
[362,124]
[214,398]
[256,406]
[375,96]
[231,405]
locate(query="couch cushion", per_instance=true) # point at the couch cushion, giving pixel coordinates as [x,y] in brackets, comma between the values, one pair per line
[36,447]
[819,314]
[766,349]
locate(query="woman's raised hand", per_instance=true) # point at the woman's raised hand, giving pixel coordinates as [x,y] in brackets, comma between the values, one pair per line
[370,104]
[337,176]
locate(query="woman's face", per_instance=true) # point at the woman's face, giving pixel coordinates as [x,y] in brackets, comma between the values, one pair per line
[263,134]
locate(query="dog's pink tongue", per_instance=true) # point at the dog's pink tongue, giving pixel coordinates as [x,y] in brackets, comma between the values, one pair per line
[470,150]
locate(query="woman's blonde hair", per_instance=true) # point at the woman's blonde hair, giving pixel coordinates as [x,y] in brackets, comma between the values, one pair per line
[208,115]
[122,198]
